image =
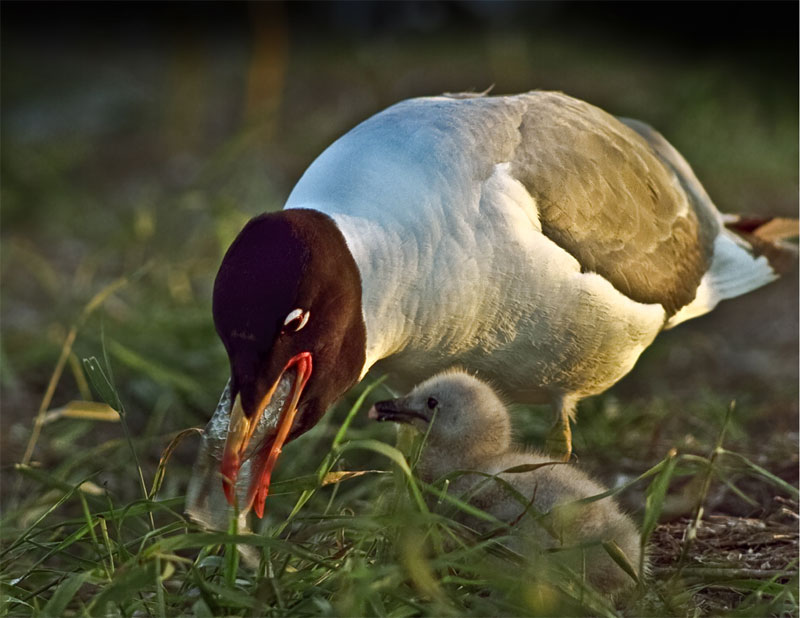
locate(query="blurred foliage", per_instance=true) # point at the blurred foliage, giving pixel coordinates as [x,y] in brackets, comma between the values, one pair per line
[136,142]
[146,152]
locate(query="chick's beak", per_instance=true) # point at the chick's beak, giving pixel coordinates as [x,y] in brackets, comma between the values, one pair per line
[395,410]
[240,431]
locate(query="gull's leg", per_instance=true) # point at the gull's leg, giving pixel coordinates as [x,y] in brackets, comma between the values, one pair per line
[559,440]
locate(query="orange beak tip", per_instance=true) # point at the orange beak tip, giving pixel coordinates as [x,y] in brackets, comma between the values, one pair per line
[258,507]
[259,492]
[228,488]
[241,430]
[230,471]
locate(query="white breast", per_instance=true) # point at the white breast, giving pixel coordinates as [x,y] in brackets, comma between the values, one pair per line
[456,271]
[437,197]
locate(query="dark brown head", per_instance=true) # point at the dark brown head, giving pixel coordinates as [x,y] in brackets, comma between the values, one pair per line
[287,297]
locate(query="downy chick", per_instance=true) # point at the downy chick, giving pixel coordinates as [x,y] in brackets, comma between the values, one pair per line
[468,428]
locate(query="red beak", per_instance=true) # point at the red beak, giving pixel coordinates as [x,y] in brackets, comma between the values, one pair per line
[240,432]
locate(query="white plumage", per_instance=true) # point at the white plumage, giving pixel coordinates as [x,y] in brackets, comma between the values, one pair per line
[456,267]
[534,239]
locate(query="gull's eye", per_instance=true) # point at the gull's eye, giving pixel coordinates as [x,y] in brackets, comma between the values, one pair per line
[432,403]
[296,320]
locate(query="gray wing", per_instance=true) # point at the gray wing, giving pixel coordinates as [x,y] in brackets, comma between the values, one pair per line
[707,213]
[604,192]
[611,197]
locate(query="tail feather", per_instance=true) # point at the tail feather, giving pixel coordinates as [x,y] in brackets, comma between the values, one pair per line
[767,228]
[749,251]
[741,263]
[768,236]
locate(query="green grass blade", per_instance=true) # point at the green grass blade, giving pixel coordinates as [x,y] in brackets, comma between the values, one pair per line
[101,383]
[230,596]
[106,390]
[129,580]
[775,480]
[618,556]
[159,373]
[66,350]
[64,593]
[90,525]
[161,471]
[394,455]
[231,552]
[328,462]
[654,502]
[39,475]
[337,440]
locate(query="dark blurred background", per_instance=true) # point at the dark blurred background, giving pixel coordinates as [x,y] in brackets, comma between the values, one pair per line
[137,138]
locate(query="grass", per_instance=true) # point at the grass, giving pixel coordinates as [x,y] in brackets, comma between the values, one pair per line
[381,543]
[117,204]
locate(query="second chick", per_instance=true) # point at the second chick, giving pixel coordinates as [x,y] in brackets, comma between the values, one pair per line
[471,430]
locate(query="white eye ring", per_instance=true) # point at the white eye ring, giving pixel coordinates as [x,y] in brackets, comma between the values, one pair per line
[297,314]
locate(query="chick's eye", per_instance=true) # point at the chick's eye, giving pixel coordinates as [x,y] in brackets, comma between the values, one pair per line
[296,320]
[432,403]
